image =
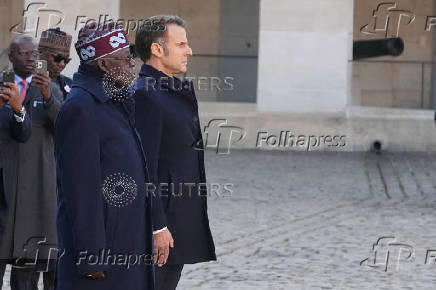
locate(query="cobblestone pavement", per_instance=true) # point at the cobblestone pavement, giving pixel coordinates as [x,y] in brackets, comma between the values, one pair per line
[298,220]
[307,220]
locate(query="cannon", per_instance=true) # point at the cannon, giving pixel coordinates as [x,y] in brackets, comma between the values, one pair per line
[377,47]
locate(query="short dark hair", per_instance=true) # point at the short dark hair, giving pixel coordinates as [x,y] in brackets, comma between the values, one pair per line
[152,30]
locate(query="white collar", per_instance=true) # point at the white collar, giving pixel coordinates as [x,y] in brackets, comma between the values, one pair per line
[19,79]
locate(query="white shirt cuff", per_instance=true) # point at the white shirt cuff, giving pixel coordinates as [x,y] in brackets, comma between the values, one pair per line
[158,231]
[20,119]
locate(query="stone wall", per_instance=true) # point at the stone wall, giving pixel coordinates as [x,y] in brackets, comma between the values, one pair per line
[11,14]
[304,53]
[403,81]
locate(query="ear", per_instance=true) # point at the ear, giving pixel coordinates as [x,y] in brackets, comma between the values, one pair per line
[102,64]
[156,50]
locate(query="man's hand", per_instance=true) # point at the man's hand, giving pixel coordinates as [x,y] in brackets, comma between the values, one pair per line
[96,275]
[10,94]
[42,82]
[3,101]
[162,243]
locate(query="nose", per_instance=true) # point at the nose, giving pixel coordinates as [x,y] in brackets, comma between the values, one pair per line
[31,58]
[189,52]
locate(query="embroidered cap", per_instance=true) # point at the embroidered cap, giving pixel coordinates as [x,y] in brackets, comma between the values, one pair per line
[96,41]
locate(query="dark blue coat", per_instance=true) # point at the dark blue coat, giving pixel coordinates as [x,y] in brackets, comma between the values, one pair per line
[11,132]
[167,120]
[65,84]
[32,203]
[102,203]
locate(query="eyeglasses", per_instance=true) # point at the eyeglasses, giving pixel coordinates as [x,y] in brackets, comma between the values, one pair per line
[129,58]
[28,53]
[58,58]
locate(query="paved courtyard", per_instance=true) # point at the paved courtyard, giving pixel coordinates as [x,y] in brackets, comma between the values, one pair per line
[298,220]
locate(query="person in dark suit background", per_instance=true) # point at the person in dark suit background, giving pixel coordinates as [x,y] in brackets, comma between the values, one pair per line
[33,217]
[15,126]
[167,120]
[54,47]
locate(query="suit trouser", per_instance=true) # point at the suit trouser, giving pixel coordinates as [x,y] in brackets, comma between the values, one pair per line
[167,277]
[27,278]
[2,273]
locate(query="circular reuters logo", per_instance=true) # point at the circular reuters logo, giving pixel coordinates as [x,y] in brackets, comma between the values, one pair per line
[119,189]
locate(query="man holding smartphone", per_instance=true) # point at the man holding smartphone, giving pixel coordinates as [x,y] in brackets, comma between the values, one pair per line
[54,47]
[14,127]
[32,231]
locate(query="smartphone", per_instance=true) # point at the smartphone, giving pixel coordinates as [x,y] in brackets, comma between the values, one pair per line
[40,67]
[7,77]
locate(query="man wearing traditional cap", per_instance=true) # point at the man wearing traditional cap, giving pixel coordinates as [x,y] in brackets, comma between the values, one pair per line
[54,47]
[104,215]
[32,232]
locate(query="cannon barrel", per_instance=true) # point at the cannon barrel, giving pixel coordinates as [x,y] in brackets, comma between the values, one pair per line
[377,47]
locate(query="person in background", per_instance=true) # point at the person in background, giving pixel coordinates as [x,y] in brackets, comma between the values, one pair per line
[54,47]
[15,126]
[32,231]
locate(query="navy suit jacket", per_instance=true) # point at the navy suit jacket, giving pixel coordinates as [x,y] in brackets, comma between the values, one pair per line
[65,83]
[11,132]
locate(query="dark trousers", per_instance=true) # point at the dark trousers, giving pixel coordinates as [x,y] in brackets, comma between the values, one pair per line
[167,277]
[2,273]
[27,278]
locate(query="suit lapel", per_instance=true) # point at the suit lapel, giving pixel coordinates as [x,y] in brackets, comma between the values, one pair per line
[30,95]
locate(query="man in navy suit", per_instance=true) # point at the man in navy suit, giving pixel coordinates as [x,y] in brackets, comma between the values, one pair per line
[167,120]
[15,126]
[31,229]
